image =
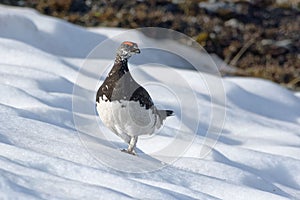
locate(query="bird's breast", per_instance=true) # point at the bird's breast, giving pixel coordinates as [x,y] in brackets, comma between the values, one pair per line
[123,116]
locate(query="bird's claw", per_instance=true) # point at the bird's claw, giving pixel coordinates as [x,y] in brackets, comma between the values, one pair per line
[129,152]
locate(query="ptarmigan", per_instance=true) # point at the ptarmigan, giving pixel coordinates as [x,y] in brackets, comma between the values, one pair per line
[123,105]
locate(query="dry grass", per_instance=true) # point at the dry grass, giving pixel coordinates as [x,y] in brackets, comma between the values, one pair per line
[260,40]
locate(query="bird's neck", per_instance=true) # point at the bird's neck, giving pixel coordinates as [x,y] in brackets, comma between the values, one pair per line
[120,67]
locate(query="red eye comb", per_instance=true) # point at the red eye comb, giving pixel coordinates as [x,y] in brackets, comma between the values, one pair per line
[128,43]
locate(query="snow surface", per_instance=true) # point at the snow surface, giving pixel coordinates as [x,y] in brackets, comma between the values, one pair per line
[42,156]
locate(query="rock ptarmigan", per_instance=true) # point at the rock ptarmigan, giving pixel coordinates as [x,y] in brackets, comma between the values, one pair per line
[123,105]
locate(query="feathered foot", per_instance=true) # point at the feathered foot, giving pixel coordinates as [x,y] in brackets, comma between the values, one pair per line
[131,146]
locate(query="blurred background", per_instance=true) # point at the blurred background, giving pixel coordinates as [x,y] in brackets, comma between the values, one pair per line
[258,38]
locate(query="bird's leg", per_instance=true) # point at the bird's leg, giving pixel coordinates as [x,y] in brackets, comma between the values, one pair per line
[132,145]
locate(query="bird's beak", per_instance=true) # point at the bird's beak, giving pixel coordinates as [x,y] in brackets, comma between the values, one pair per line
[137,51]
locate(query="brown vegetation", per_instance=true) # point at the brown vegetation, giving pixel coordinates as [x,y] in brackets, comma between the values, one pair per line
[259,37]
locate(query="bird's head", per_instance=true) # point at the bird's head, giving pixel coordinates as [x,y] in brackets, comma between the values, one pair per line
[127,49]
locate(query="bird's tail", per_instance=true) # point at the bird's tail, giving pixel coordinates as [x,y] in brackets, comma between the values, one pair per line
[169,112]
[163,114]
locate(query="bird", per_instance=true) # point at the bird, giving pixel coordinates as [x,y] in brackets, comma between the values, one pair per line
[123,105]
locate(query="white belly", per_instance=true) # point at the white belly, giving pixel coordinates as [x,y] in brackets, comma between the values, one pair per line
[127,117]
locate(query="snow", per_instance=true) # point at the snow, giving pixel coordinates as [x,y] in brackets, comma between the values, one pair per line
[53,146]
